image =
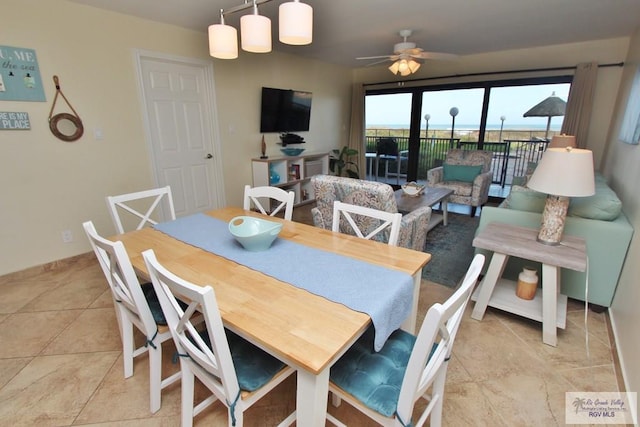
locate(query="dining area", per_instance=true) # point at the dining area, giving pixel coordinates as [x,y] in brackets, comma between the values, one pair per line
[297,298]
[70,341]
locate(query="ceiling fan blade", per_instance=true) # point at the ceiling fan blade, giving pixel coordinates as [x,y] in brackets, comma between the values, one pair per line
[374,57]
[379,62]
[434,55]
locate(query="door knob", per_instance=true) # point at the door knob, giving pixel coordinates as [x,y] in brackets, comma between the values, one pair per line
[209,156]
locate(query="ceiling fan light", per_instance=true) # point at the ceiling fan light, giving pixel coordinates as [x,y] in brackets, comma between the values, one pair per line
[413,65]
[223,41]
[255,33]
[403,67]
[295,23]
[394,68]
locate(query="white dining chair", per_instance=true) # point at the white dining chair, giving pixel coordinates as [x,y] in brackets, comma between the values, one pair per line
[234,370]
[385,385]
[263,197]
[141,205]
[135,305]
[363,220]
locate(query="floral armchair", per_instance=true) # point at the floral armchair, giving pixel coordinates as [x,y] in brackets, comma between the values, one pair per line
[376,195]
[470,185]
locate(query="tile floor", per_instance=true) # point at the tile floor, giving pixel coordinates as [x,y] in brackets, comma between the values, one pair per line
[61,364]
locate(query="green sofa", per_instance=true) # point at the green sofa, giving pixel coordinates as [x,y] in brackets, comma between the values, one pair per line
[598,219]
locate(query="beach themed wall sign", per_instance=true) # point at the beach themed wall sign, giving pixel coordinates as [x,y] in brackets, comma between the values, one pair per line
[19,75]
[11,120]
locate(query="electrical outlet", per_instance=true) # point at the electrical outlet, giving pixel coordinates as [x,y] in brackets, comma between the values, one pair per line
[67,236]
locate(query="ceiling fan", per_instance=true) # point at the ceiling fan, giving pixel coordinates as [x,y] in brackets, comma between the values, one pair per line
[406,57]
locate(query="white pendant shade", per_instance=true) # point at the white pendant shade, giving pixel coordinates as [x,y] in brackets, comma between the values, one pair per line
[223,41]
[295,23]
[255,33]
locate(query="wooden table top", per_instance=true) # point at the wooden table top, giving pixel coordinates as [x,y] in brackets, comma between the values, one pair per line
[303,329]
[521,242]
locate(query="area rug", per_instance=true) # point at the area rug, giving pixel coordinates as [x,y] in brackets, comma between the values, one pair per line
[450,249]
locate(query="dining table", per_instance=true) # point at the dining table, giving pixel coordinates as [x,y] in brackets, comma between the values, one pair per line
[305,330]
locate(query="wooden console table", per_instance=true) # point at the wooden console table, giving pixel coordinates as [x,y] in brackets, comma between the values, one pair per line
[508,240]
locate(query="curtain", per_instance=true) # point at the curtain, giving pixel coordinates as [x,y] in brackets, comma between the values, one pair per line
[578,111]
[357,131]
[630,128]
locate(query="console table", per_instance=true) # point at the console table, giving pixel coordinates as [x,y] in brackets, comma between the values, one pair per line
[551,307]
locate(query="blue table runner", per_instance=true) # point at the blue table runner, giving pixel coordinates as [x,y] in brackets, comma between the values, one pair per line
[385,295]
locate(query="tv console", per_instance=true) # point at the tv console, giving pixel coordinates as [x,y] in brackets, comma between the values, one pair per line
[293,173]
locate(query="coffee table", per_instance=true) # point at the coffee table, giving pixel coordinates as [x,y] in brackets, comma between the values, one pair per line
[429,197]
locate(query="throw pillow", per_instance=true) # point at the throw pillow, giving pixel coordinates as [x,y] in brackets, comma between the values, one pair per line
[604,205]
[525,199]
[464,173]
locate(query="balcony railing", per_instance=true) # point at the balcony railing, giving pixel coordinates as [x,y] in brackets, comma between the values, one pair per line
[510,157]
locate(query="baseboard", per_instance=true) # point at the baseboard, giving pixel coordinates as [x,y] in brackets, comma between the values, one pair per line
[88,257]
[623,383]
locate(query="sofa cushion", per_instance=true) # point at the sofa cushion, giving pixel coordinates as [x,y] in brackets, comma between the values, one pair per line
[604,205]
[464,173]
[525,199]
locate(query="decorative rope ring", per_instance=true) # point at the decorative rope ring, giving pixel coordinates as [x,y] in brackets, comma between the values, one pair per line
[79,128]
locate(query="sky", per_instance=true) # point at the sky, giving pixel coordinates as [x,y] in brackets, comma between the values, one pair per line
[510,102]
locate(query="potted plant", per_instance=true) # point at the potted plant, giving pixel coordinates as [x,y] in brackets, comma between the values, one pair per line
[341,164]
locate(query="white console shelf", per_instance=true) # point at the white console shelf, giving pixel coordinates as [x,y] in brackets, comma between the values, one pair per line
[294,173]
[504,298]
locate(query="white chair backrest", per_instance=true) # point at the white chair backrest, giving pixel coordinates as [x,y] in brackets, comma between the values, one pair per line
[125,287]
[439,328]
[133,204]
[189,344]
[285,199]
[366,219]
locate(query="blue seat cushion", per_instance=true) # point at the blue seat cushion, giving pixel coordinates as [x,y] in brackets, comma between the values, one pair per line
[373,377]
[154,305]
[254,367]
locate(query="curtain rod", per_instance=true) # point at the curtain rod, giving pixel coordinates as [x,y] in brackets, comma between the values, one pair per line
[489,73]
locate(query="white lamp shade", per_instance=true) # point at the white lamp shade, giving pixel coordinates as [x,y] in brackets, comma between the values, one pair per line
[564,172]
[223,41]
[394,68]
[255,33]
[295,23]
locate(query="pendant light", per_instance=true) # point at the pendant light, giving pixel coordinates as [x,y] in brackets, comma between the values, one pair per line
[295,28]
[223,40]
[255,32]
[296,23]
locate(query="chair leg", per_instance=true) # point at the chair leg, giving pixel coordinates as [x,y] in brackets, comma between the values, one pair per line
[435,419]
[155,377]
[187,396]
[127,346]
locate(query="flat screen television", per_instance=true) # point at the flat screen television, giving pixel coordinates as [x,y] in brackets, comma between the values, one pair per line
[284,110]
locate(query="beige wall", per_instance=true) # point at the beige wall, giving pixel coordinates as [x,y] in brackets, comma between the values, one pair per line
[49,185]
[623,168]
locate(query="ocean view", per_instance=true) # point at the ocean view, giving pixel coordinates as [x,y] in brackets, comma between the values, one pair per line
[462,127]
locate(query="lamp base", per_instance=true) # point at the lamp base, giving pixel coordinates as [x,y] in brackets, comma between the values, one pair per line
[553,218]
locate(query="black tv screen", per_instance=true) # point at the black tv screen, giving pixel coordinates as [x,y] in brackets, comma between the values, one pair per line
[284,110]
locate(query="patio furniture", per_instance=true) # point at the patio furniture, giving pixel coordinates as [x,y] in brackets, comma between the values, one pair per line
[370,194]
[467,173]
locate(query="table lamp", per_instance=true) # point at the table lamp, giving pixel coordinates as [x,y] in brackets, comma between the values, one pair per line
[562,141]
[561,173]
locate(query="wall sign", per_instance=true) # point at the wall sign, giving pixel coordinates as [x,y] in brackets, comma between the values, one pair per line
[10,120]
[19,75]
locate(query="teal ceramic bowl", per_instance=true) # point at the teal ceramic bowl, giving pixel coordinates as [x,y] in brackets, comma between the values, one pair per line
[254,234]
[292,151]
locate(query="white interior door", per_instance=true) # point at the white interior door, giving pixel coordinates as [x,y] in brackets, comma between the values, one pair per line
[179,108]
